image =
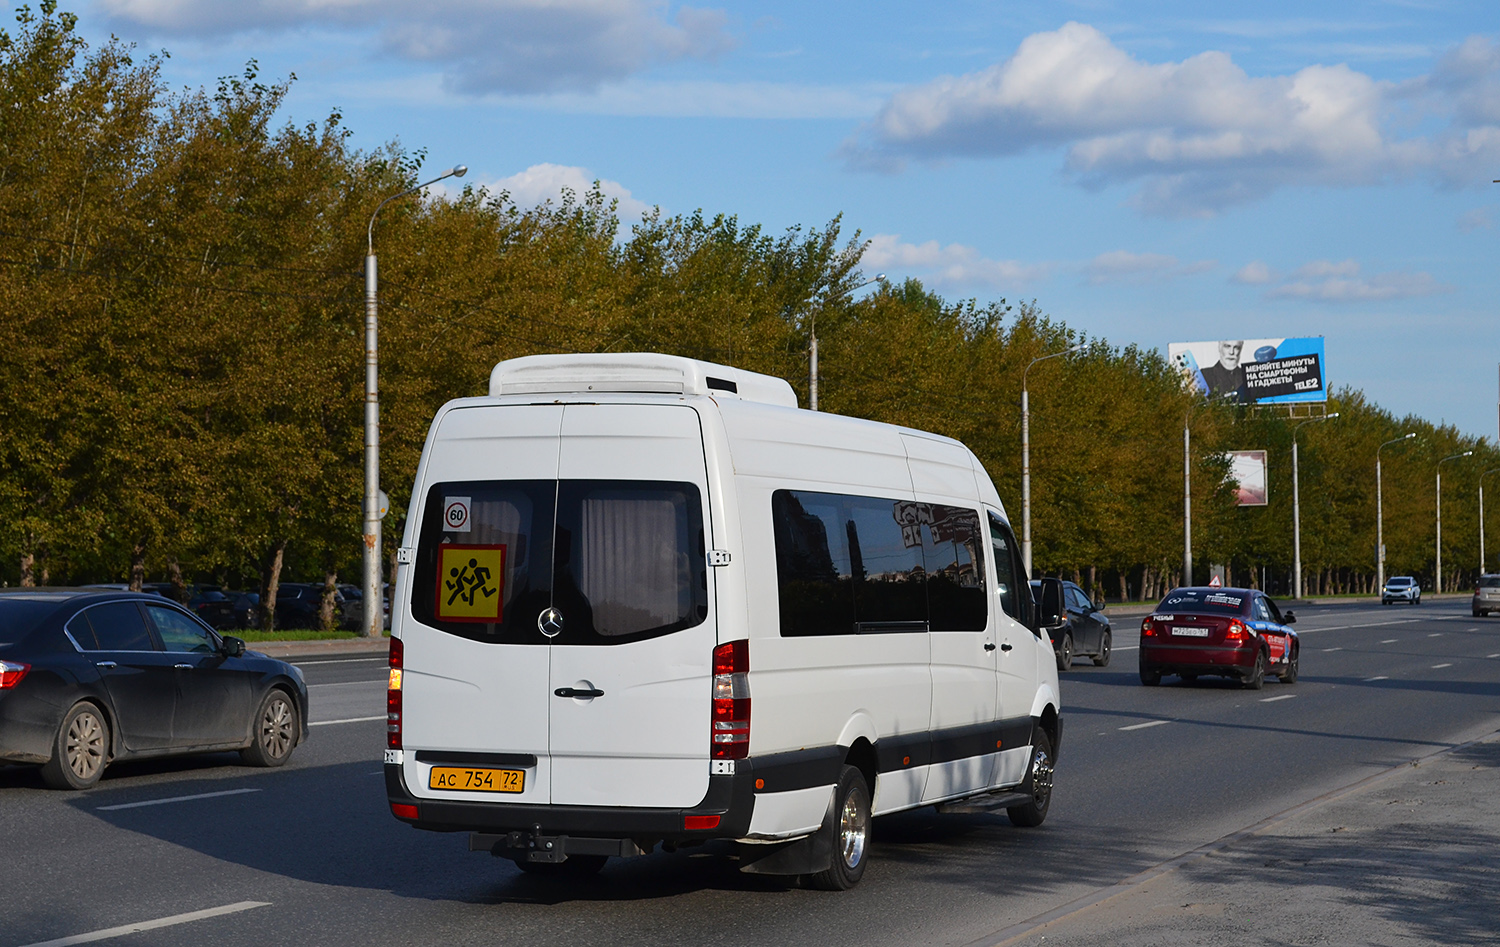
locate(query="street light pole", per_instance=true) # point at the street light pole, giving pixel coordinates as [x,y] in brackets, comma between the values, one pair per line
[373,610]
[1481,515]
[812,347]
[1380,513]
[1438,588]
[1297,506]
[1026,458]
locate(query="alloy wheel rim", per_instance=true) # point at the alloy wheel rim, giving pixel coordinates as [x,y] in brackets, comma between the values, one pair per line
[85,746]
[1041,778]
[276,728]
[854,828]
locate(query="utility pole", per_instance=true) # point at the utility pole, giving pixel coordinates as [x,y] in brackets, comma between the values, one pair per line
[1438,588]
[1380,512]
[1187,505]
[1297,507]
[1026,459]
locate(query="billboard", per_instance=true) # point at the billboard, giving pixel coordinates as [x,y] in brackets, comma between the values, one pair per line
[1254,371]
[1247,468]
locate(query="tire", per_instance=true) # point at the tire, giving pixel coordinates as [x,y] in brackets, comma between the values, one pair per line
[1189,677]
[1101,660]
[80,751]
[1257,678]
[1289,676]
[274,731]
[1038,784]
[1150,677]
[577,866]
[849,825]
[1065,654]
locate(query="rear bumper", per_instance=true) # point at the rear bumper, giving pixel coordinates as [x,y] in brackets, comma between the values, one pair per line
[730,797]
[1201,659]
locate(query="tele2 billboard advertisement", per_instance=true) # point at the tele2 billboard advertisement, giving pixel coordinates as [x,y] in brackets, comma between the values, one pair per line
[1254,371]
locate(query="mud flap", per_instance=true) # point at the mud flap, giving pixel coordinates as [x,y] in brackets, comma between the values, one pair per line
[803,856]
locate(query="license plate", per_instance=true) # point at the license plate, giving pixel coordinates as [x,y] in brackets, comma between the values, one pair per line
[1191,632]
[471,779]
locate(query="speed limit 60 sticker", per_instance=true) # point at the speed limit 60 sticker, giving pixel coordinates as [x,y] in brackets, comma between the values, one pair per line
[456,514]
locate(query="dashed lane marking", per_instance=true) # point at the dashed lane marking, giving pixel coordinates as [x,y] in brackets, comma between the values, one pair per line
[1492,655]
[1436,634]
[1267,700]
[140,926]
[1378,677]
[1436,666]
[1142,726]
[1390,641]
[162,802]
[329,723]
[1333,649]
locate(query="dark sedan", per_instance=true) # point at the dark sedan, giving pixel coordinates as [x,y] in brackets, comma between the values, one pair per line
[1085,632]
[88,678]
[1234,633]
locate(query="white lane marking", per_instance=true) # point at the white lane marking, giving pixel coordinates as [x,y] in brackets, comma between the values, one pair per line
[157,924]
[1436,634]
[162,802]
[1436,666]
[1380,677]
[342,661]
[1333,649]
[1390,641]
[1492,655]
[1142,726]
[329,723]
[1131,647]
[378,680]
[1267,700]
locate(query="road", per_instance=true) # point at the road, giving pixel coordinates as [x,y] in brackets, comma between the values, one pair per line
[308,854]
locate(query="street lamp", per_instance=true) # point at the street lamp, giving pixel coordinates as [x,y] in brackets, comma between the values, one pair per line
[1481,515]
[1297,506]
[812,363]
[1380,513]
[1438,588]
[1026,458]
[372,597]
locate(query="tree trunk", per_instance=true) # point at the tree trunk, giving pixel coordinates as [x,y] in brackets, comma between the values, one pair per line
[174,575]
[28,577]
[1124,588]
[325,607]
[270,582]
[1095,595]
[138,566]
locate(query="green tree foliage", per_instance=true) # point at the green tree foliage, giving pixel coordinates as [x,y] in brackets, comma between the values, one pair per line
[181,378]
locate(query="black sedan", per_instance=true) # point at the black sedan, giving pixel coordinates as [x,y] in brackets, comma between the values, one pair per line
[1085,632]
[90,677]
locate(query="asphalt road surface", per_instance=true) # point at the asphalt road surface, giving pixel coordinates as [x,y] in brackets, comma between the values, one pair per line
[204,850]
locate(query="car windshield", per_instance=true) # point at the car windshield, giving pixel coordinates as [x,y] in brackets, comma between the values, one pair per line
[1400,582]
[20,614]
[1204,601]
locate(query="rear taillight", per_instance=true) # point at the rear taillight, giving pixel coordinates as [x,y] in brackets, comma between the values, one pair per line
[729,738]
[1148,628]
[393,697]
[1237,631]
[11,673]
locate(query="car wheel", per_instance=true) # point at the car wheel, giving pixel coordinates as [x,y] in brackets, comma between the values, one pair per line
[1101,659]
[274,732]
[1038,784]
[1189,677]
[1150,676]
[1257,678]
[577,866]
[1065,653]
[849,825]
[80,751]
[1289,676]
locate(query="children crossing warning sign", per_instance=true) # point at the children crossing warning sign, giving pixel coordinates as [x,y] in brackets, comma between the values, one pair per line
[471,582]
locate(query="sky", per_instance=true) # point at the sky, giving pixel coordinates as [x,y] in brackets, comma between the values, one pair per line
[1147,172]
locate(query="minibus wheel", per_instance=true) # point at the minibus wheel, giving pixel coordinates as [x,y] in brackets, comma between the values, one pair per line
[848,822]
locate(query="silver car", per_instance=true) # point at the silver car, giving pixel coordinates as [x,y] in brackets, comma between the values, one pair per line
[1401,588]
[1487,595]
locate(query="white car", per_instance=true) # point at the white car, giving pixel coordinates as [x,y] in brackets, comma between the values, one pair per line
[611,558]
[1401,588]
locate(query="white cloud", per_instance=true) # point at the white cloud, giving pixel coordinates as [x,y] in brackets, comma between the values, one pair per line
[1254,273]
[523,46]
[1200,134]
[1124,266]
[954,265]
[1480,218]
[545,182]
[1343,281]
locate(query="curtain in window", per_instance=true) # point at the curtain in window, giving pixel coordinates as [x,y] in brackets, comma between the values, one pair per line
[634,567]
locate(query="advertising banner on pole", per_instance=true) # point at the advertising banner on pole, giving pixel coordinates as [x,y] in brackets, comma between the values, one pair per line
[1247,468]
[1254,371]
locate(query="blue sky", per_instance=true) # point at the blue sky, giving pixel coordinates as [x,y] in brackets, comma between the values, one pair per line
[1148,172]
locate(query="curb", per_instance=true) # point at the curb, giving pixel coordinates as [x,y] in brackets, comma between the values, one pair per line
[286,649]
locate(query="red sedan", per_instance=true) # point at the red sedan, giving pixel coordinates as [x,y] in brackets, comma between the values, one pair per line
[1234,633]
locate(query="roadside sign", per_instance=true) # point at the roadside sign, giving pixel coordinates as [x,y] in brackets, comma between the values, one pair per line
[1214,583]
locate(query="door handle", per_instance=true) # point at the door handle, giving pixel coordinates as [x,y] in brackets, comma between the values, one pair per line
[989,646]
[106,665]
[1006,647]
[578,692]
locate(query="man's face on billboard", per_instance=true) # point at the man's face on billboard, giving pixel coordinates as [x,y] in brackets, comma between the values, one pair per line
[1229,354]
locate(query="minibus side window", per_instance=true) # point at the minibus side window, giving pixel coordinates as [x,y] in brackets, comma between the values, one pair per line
[890,593]
[813,569]
[1014,591]
[952,545]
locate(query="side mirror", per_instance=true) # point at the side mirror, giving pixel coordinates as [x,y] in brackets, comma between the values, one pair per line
[1289,618]
[233,647]
[1053,611]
